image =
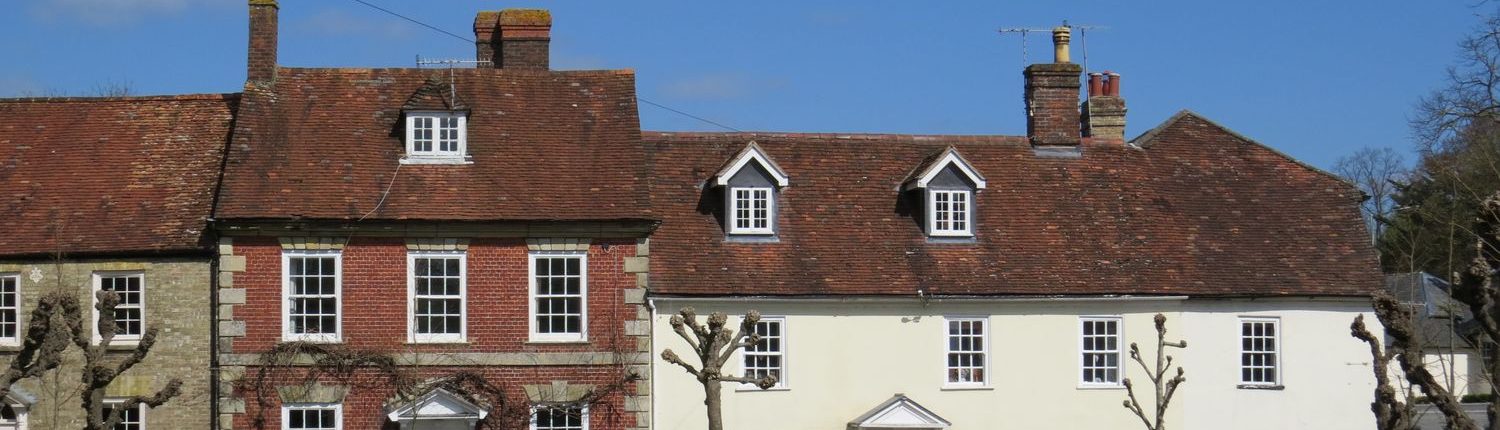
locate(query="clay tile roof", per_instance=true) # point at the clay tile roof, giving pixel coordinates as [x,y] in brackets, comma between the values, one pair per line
[113,175]
[1190,208]
[435,94]
[544,145]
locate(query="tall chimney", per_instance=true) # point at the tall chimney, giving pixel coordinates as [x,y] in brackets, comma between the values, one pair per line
[514,38]
[1104,112]
[261,67]
[485,24]
[1052,97]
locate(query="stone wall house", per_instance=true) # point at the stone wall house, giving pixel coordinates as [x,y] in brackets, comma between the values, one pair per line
[112,193]
[996,282]
[485,221]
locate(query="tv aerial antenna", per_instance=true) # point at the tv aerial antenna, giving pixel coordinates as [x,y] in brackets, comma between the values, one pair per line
[451,63]
[1083,41]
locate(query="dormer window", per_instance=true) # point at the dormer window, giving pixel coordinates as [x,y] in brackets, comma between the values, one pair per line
[436,124]
[948,213]
[751,210]
[436,137]
[751,183]
[948,185]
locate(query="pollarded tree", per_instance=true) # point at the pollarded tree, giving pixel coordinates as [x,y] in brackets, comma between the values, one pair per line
[714,345]
[47,337]
[58,319]
[99,370]
[1476,288]
[1391,413]
[1165,387]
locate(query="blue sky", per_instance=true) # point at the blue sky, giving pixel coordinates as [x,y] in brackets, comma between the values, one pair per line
[1314,79]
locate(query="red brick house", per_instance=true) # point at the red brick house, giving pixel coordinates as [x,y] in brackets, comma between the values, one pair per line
[470,237]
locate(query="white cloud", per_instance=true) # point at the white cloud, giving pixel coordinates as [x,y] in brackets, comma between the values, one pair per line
[108,12]
[723,86]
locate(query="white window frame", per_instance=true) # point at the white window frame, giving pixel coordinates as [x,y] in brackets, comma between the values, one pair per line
[140,410]
[1275,323]
[583,291]
[734,210]
[286,413]
[119,339]
[15,279]
[1119,351]
[286,297]
[583,414]
[411,298]
[436,155]
[781,382]
[932,222]
[984,350]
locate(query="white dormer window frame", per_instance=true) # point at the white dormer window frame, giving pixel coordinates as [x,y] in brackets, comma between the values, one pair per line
[950,213]
[754,207]
[437,137]
[750,209]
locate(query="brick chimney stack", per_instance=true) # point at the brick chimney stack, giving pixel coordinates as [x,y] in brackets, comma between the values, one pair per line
[261,67]
[514,38]
[1052,97]
[1104,111]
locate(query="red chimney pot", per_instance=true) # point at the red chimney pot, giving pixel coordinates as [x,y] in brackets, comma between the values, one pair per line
[1096,84]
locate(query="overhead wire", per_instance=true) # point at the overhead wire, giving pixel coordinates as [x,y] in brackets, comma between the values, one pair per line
[637,97]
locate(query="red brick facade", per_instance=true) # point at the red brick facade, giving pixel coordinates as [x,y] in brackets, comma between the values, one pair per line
[374,316]
[365,407]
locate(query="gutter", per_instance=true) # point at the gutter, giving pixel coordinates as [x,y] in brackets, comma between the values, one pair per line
[910,299]
[920,298]
[651,308]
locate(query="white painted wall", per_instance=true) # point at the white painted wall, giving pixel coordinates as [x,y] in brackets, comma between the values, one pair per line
[844,358]
[1465,366]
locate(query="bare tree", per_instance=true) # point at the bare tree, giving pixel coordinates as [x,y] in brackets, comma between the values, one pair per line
[1477,288]
[1457,130]
[113,89]
[715,345]
[1391,413]
[99,371]
[45,342]
[1165,387]
[1376,172]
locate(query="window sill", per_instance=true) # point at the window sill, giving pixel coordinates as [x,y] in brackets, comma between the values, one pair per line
[312,340]
[952,240]
[557,342]
[121,345]
[1261,387]
[751,238]
[439,342]
[436,160]
[754,389]
[967,388]
[1101,386]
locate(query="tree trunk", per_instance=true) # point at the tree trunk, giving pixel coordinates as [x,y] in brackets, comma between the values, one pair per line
[714,402]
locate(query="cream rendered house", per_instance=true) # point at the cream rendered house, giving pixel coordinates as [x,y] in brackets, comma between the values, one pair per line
[996,282]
